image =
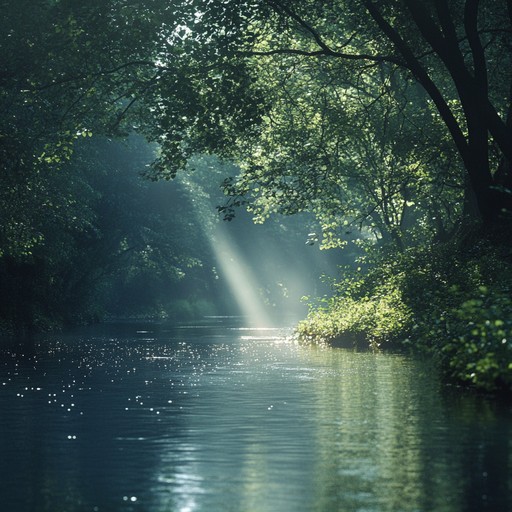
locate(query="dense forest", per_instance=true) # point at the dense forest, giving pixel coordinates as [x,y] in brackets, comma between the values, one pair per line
[382,130]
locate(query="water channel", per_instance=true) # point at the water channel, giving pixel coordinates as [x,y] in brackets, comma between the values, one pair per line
[218,417]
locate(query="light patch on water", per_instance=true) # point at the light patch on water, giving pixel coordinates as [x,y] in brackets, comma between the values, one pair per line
[258,338]
[254,329]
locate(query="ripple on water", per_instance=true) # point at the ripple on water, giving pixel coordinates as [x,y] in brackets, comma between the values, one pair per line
[240,419]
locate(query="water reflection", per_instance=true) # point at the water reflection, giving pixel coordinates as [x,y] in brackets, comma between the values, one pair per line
[148,418]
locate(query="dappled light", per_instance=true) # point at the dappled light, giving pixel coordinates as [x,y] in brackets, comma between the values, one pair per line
[255,256]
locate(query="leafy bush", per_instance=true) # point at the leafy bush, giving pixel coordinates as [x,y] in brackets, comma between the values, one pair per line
[479,349]
[454,304]
[378,317]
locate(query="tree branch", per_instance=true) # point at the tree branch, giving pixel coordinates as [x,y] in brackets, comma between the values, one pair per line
[479,62]
[422,76]
[325,48]
[101,73]
[320,53]
[449,30]
[316,36]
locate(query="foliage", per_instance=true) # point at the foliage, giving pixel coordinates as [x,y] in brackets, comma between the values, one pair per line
[389,121]
[350,156]
[291,62]
[107,242]
[320,103]
[455,305]
[375,318]
[480,330]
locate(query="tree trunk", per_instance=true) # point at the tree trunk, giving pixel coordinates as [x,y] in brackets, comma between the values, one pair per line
[492,194]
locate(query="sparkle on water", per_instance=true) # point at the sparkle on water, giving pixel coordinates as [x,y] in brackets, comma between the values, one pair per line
[227,418]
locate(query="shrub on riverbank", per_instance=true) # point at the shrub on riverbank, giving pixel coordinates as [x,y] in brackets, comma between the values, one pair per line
[452,303]
[378,318]
[473,340]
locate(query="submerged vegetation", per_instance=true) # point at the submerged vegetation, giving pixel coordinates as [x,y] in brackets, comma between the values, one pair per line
[390,124]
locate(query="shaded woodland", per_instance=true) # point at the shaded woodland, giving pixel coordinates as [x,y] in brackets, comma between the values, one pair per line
[387,126]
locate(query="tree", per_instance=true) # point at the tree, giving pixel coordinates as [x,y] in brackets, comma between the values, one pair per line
[187,75]
[451,48]
[319,104]
[468,40]
[358,151]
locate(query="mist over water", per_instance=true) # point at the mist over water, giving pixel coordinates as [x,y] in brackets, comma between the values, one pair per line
[219,416]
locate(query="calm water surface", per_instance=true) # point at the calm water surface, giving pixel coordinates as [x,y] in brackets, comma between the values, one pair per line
[218,417]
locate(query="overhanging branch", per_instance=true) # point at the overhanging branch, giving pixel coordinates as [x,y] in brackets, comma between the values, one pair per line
[325,49]
[324,53]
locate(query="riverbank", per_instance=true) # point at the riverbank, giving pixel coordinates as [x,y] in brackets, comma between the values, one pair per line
[452,302]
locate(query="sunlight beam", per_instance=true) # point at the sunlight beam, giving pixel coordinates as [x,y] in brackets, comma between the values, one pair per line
[240,278]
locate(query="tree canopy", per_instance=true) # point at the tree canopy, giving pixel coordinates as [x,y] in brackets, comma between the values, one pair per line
[238,78]
[390,121]
[457,52]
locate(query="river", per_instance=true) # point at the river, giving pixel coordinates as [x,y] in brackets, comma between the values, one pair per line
[218,417]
